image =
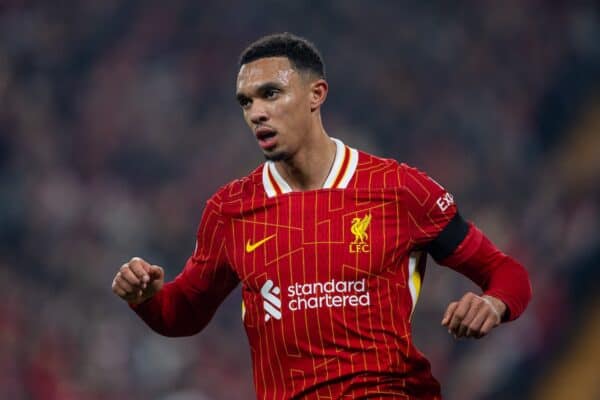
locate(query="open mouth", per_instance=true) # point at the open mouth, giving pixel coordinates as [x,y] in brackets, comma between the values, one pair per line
[266,137]
[265,134]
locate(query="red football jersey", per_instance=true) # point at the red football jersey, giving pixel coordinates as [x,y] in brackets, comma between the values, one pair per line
[330,277]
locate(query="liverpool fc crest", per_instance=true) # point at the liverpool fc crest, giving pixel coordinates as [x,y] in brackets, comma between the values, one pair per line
[359,230]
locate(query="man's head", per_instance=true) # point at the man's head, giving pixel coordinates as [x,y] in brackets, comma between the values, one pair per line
[280,87]
[302,54]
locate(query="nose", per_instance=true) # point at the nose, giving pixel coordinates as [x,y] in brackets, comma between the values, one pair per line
[257,113]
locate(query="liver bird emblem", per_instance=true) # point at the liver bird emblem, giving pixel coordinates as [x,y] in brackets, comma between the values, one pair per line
[359,228]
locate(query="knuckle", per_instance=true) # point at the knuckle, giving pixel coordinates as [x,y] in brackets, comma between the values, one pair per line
[136,260]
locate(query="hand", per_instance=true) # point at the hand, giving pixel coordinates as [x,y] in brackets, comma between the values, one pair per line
[473,316]
[137,281]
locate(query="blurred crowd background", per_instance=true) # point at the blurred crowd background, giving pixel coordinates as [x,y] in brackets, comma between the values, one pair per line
[118,121]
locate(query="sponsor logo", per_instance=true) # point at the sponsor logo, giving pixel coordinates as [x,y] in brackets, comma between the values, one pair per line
[250,247]
[359,230]
[445,201]
[307,296]
[330,294]
[272,302]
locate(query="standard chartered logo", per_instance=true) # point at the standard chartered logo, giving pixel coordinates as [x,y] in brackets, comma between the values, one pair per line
[271,303]
[330,294]
[303,296]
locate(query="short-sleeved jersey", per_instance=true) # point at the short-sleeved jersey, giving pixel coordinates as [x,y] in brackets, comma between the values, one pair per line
[330,277]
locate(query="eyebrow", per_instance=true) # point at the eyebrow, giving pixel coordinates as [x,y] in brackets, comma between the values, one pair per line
[260,89]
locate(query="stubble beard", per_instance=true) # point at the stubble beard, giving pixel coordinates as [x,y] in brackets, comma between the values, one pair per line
[277,156]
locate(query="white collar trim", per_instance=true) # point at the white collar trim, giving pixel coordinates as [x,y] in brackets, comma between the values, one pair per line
[342,171]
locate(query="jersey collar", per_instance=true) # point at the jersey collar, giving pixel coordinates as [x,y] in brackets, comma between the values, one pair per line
[342,170]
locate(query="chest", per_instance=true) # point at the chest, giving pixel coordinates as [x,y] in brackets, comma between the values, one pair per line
[318,236]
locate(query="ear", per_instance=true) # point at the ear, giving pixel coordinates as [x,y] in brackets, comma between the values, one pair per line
[318,93]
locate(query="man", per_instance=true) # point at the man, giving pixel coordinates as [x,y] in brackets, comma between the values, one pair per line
[328,243]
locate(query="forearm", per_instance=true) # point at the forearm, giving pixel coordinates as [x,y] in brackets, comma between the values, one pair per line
[497,274]
[170,313]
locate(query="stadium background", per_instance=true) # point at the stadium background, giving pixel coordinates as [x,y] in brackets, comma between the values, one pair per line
[118,120]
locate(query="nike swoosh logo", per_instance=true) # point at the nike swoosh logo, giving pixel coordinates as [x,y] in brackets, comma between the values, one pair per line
[250,247]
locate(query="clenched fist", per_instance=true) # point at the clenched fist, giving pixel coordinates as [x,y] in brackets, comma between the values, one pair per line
[473,315]
[137,281]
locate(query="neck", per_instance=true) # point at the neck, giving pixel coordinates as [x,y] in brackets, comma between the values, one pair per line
[308,168]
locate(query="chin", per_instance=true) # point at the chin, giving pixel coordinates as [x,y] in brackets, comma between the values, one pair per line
[277,156]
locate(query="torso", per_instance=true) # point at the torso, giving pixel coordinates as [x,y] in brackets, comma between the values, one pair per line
[329,279]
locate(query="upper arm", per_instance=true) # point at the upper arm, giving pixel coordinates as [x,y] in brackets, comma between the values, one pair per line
[432,215]
[208,277]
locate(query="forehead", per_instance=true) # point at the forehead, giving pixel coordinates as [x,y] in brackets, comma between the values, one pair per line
[269,69]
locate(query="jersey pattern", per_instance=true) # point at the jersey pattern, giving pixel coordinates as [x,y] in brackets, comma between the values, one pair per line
[330,277]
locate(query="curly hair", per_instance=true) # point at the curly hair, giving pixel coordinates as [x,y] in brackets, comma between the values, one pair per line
[303,55]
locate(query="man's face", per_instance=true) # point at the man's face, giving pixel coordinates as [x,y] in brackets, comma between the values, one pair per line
[275,99]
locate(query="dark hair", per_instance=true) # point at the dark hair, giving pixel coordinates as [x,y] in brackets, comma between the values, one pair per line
[303,55]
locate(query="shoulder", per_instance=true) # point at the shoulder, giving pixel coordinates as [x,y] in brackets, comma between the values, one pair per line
[238,189]
[386,172]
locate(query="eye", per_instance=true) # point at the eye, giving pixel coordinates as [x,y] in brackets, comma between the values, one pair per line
[244,102]
[270,93]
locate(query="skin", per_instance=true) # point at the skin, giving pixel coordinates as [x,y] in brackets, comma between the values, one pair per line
[137,281]
[274,95]
[473,316]
[277,98]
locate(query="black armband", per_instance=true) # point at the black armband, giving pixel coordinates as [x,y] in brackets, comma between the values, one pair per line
[449,238]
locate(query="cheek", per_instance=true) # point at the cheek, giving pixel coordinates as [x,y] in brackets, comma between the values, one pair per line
[247,119]
[294,106]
